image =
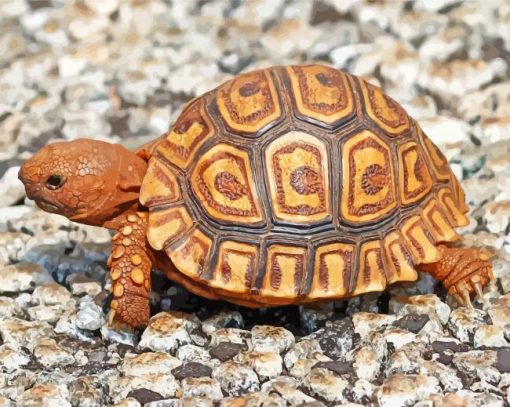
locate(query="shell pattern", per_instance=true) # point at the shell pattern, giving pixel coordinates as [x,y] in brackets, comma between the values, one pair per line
[299,183]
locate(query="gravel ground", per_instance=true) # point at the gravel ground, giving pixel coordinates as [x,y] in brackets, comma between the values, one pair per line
[120,70]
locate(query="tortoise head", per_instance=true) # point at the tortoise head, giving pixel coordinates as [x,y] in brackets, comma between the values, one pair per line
[87,181]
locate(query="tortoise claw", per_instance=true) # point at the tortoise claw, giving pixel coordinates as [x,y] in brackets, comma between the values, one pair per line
[479,291]
[467,298]
[111,317]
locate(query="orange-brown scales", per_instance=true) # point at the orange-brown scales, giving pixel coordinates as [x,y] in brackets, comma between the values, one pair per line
[283,185]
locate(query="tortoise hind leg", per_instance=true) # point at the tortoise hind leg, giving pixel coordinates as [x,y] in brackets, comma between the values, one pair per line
[462,271]
[130,268]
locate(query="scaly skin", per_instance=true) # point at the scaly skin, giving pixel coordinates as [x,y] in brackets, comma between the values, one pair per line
[130,270]
[462,271]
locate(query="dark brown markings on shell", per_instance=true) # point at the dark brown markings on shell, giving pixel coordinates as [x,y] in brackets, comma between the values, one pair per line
[227,210]
[442,166]
[374,179]
[226,270]
[190,116]
[332,79]
[305,180]
[318,184]
[367,271]
[324,79]
[381,111]
[369,207]
[432,221]
[165,180]
[168,217]
[324,272]
[247,90]
[188,250]
[420,172]
[276,272]
[407,256]
[419,248]
[228,185]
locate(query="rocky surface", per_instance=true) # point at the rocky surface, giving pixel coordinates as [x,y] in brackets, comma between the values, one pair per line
[120,71]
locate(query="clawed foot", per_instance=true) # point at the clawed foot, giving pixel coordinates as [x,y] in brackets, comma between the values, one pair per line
[474,283]
[132,311]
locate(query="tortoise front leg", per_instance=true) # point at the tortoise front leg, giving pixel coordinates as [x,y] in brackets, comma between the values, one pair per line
[462,271]
[130,268]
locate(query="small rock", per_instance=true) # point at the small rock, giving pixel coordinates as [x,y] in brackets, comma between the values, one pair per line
[9,308]
[255,399]
[336,338]
[52,294]
[267,364]
[83,285]
[148,363]
[145,396]
[478,364]
[428,304]
[412,322]
[446,375]
[12,358]
[302,350]
[236,379]
[287,387]
[366,322]
[169,330]
[503,360]
[366,363]
[266,338]
[22,276]
[191,369]
[232,335]
[67,324]
[325,384]
[406,390]
[193,353]
[86,391]
[227,350]
[231,319]
[11,189]
[46,395]
[202,386]
[50,355]
[17,332]
[90,316]
[490,336]
[464,322]
[163,384]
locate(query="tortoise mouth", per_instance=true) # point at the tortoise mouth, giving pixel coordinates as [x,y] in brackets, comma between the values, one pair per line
[47,206]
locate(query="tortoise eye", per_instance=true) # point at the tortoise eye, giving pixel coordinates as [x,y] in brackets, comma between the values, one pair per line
[55,181]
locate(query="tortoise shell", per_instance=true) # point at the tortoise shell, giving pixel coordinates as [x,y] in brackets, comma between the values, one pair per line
[298,183]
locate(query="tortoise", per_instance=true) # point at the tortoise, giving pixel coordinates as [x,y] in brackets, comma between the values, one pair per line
[285,185]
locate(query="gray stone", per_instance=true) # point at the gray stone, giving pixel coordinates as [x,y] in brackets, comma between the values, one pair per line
[51,355]
[464,321]
[46,395]
[168,331]
[478,364]
[266,338]
[406,390]
[236,379]
[22,277]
